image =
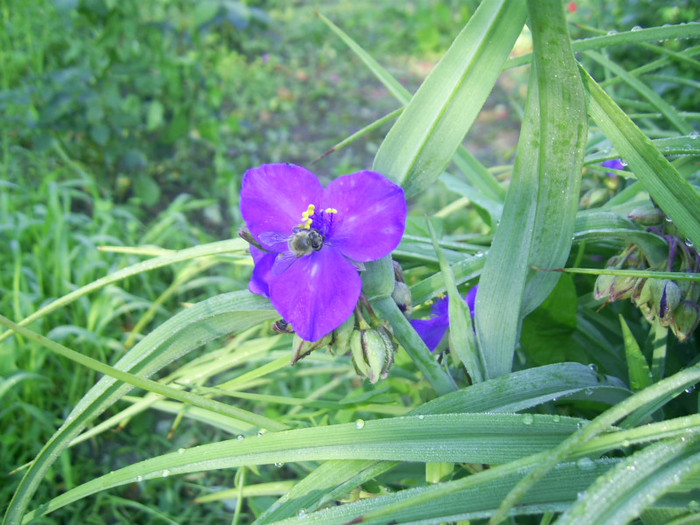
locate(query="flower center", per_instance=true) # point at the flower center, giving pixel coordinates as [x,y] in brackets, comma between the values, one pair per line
[320,221]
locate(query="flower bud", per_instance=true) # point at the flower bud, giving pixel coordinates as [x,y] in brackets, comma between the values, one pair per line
[341,336]
[668,302]
[372,353]
[602,286]
[302,348]
[402,297]
[647,215]
[623,287]
[685,320]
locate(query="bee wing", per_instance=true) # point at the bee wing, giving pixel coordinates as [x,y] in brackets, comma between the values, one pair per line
[273,239]
[283,261]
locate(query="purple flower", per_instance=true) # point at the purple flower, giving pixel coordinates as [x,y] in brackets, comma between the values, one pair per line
[615,164]
[314,239]
[432,330]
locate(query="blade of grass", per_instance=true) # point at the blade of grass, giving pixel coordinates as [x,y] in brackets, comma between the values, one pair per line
[539,215]
[426,136]
[674,195]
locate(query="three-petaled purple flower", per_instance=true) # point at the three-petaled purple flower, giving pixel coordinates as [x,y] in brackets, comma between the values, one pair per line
[432,330]
[314,239]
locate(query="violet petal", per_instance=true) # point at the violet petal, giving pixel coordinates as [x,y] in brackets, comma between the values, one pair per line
[261,273]
[274,196]
[371,215]
[431,331]
[317,293]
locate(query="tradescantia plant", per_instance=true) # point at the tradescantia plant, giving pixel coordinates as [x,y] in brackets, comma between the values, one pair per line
[512,422]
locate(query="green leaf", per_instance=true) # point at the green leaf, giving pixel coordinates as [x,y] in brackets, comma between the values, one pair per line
[547,331]
[635,483]
[510,393]
[424,139]
[471,438]
[539,215]
[639,372]
[674,195]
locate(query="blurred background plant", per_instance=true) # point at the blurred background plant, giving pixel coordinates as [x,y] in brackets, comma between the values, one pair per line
[130,123]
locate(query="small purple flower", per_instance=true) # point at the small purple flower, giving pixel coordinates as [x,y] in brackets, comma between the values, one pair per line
[432,330]
[615,164]
[314,239]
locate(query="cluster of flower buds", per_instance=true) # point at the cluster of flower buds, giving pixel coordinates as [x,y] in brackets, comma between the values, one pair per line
[671,303]
[371,343]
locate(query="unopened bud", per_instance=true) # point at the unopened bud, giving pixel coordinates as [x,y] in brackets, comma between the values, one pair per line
[402,297]
[593,197]
[668,302]
[302,348]
[342,334]
[685,320]
[602,286]
[647,215]
[623,287]
[372,353]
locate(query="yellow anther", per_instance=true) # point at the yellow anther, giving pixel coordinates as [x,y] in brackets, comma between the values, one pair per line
[306,220]
[331,210]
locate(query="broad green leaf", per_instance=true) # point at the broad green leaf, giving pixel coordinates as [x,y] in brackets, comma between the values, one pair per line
[538,218]
[674,195]
[547,331]
[189,329]
[635,483]
[424,139]
[510,393]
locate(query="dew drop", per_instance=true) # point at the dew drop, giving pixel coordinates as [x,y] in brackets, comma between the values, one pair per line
[693,506]
[694,134]
[360,424]
[528,419]
[139,478]
[240,437]
[588,391]
[180,450]
[556,418]
[166,473]
[586,464]
[689,390]
[689,243]
[612,32]
[279,464]
[593,368]
[637,28]
[260,434]
[301,514]
[626,443]
[421,417]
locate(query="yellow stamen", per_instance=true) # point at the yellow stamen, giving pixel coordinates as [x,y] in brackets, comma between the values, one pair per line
[306,217]
[331,210]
